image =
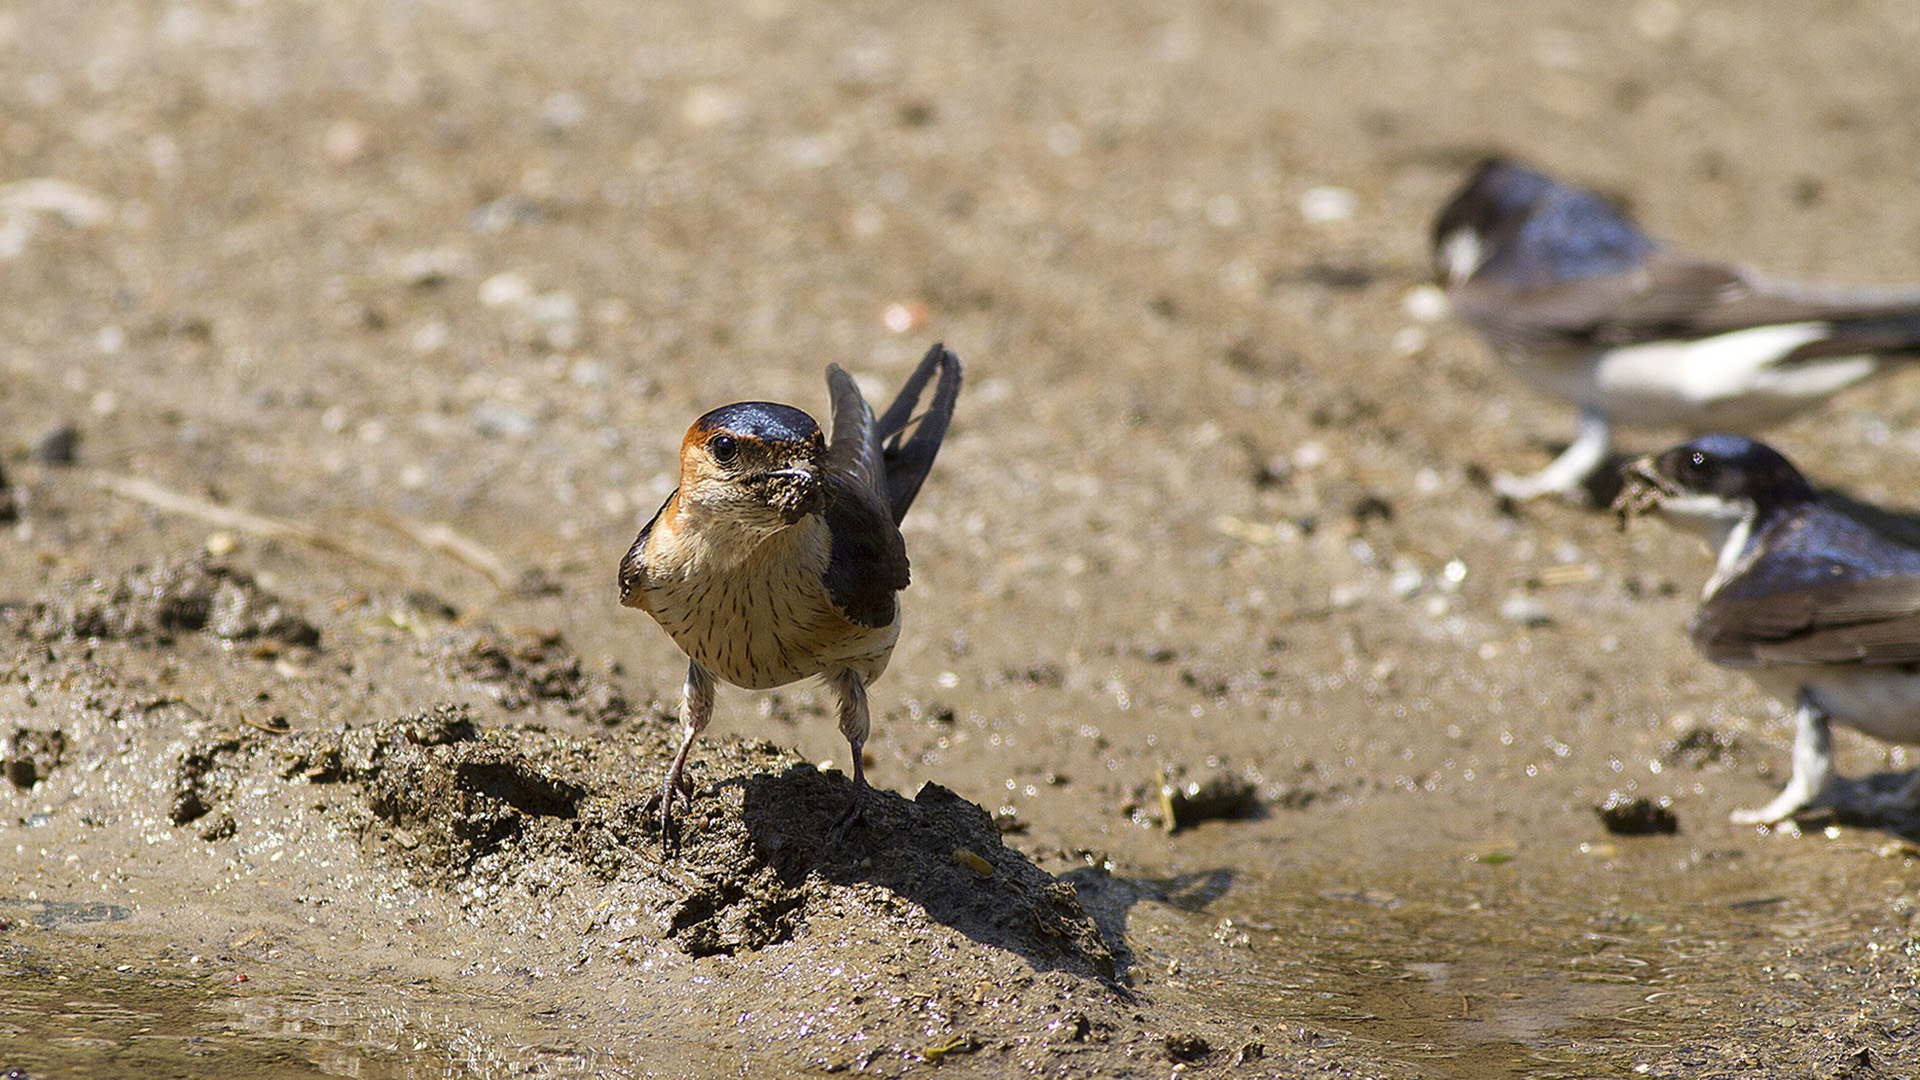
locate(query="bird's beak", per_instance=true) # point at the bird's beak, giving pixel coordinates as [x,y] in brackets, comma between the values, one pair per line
[1642,489]
[794,491]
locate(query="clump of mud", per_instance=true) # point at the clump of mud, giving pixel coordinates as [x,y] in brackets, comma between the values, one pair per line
[27,755]
[763,853]
[156,603]
[525,669]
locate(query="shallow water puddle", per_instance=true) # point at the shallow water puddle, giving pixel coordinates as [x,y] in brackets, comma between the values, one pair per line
[92,1006]
[1452,969]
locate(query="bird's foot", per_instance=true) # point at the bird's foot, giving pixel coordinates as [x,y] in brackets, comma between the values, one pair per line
[1784,806]
[677,784]
[854,814]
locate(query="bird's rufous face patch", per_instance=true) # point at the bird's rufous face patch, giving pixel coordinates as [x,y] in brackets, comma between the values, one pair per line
[756,460]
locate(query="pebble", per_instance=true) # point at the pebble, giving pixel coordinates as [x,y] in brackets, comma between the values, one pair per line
[1525,610]
[1426,303]
[562,111]
[495,420]
[60,446]
[71,203]
[1326,204]
[505,290]
[712,106]
[904,317]
[345,142]
[1637,815]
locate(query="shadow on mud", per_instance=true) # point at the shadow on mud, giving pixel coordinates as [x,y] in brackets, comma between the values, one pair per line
[937,851]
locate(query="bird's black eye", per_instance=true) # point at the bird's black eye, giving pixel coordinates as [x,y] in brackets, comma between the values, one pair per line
[1696,466]
[725,448]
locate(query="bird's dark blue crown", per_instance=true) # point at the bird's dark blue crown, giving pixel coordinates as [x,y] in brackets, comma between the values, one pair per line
[763,420]
[1735,466]
[1558,233]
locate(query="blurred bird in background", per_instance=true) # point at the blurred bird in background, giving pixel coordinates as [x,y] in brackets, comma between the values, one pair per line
[1580,304]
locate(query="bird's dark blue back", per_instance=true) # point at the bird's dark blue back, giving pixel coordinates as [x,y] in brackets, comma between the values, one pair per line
[1566,233]
[1820,546]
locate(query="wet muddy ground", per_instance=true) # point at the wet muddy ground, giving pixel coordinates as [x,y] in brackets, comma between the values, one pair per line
[1235,728]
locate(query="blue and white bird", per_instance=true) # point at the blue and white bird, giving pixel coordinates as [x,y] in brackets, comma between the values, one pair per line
[779,555]
[1582,305]
[1818,609]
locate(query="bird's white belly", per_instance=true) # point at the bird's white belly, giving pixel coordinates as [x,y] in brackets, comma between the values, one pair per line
[1730,382]
[765,622]
[1881,700]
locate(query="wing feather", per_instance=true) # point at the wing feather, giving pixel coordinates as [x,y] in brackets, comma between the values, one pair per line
[906,461]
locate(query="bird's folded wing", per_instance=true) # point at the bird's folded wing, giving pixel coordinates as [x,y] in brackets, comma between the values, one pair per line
[906,461]
[1665,296]
[1687,298]
[1858,620]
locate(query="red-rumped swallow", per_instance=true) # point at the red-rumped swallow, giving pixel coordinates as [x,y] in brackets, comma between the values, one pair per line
[780,554]
[1581,304]
[1819,609]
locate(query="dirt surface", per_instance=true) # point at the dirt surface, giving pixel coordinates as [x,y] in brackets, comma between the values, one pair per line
[1235,727]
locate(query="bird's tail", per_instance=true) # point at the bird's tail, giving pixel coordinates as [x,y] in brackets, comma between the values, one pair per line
[1893,333]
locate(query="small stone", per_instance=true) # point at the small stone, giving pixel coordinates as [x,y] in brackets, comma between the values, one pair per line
[495,420]
[1222,794]
[1425,302]
[562,111]
[1327,204]
[345,142]
[1525,610]
[712,106]
[1637,815]
[505,290]
[31,755]
[60,446]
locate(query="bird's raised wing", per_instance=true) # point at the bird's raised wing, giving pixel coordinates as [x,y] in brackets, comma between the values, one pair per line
[853,454]
[906,461]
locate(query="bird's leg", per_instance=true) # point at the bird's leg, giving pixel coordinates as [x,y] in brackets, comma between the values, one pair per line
[854,723]
[1566,474]
[1812,767]
[696,708]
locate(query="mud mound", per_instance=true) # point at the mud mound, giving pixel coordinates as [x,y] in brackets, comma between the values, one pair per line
[762,854]
[488,808]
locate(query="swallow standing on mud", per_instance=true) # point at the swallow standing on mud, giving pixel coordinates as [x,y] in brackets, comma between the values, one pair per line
[1819,609]
[1581,304]
[779,555]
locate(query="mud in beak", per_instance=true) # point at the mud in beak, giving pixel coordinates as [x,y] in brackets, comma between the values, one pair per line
[794,492]
[1642,489]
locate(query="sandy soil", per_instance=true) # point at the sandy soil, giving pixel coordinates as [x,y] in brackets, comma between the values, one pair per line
[346,346]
